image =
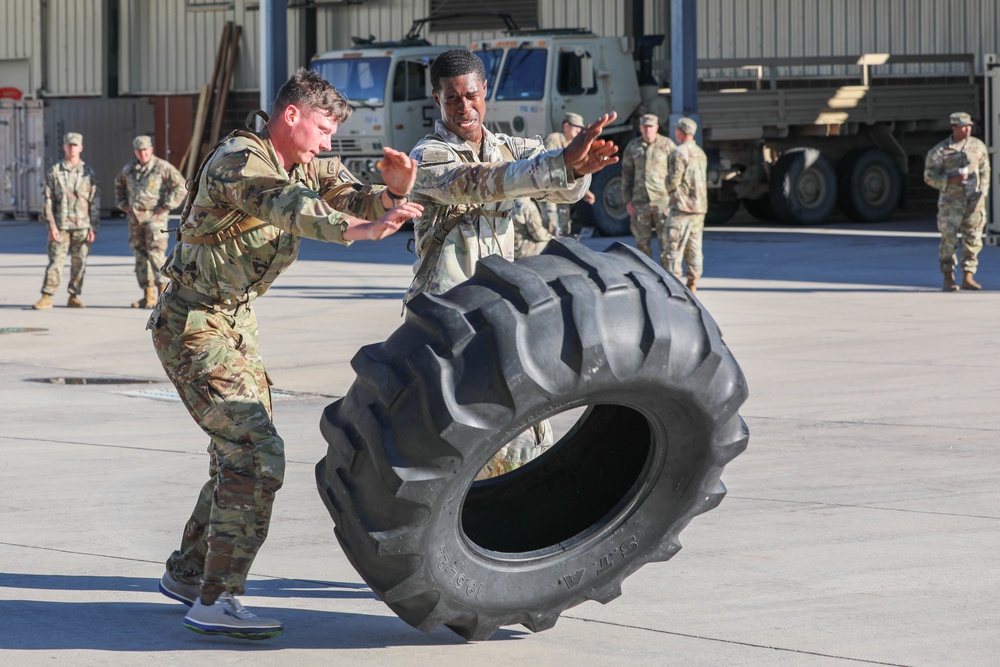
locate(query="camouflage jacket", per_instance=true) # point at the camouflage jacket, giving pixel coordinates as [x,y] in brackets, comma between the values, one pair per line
[644,170]
[948,157]
[243,179]
[71,197]
[528,223]
[144,188]
[688,169]
[555,141]
[477,191]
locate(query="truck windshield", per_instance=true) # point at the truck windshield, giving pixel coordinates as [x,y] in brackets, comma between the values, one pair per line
[491,63]
[362,80]
[523,76]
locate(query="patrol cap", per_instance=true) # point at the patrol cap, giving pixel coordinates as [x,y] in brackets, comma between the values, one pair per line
[687,126]
[574,119]
[142,142]
[961,118]
[73,138]
[649,119]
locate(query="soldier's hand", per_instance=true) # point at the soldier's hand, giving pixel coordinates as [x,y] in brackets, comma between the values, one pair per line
[54,234]
[398,171]
[91,235]
[393,220]
[601,155]
[576,154]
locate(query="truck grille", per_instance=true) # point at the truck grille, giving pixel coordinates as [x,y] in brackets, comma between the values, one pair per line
[345,146]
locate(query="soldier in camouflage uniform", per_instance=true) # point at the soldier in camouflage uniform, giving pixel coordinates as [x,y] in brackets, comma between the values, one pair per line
[530,233]
[147,189]
[468,179]
[255,197]
[959,167]
[557,216]
[686,182]
[72,209]
[644,176]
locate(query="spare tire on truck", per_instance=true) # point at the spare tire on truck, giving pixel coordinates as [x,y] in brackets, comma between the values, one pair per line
[468,370]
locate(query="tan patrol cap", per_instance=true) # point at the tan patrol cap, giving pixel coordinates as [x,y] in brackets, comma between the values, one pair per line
[649,119]
[73,139]
[961,118]
[574,119]
[687,126]
[142,142]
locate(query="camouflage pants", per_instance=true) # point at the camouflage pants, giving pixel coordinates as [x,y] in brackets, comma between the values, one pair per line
[648,219]
[213,361]
[148,240]
[74,243]
[681,244]
[528,445]
[968,217]
[557,218]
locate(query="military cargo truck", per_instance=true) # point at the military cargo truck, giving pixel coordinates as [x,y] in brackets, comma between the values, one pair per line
[790,147]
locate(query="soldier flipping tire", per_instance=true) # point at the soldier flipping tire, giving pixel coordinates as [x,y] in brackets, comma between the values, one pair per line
[471,368]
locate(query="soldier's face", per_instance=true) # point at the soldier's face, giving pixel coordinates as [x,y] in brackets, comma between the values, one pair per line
[570,131]
[143,155]
[462,103]
[959,132]
[648,132]
[72,152]
[309,132]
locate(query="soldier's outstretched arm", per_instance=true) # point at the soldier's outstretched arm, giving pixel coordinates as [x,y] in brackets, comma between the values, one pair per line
[588,154]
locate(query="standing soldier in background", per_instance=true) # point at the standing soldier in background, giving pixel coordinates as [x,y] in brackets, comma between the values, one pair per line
[644,183]
[530,234]
[959,167]
[147,189]
[557,216]
[72,209]
[686,183]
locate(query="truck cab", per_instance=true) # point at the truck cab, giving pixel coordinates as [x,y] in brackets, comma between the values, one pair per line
[388,85]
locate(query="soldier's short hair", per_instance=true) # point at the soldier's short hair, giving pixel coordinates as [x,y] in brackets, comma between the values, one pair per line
[307,89]
[456,62]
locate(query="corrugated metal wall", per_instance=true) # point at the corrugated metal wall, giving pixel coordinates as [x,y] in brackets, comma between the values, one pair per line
[794,28]
[74,35]
[20,44]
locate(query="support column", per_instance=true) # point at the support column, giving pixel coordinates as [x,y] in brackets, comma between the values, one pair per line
[273,50]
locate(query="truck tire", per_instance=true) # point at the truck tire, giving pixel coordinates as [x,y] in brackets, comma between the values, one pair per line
[610,215]
[761,209]
[870,185]
[720,212]
[803,187]
[467,370]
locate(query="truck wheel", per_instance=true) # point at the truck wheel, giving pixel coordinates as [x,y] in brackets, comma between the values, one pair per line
[610,215]
[803,187]
[760,209]
[870,184]
[469,369]
[719,212]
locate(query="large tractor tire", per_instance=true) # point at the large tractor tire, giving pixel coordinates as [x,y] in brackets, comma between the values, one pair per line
[468,370]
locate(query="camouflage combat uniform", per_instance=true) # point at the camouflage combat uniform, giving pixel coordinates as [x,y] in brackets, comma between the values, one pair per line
[205,334]
[72,201]
[145,188]
[688,169]
[644,176]
[530,233]
[961,206]
[557,216]
[454,183]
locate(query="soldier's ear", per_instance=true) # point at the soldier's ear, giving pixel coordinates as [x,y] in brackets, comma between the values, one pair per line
[291,114]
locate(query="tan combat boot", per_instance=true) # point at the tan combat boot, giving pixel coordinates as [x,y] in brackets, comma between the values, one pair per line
[949,283]
[74,302]
[148,300]
[968,282]
[693,283]
[44,303]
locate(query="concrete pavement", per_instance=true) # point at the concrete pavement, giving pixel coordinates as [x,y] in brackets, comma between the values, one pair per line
[861,527]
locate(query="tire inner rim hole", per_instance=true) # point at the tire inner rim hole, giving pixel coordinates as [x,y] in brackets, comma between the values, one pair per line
[573,491]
